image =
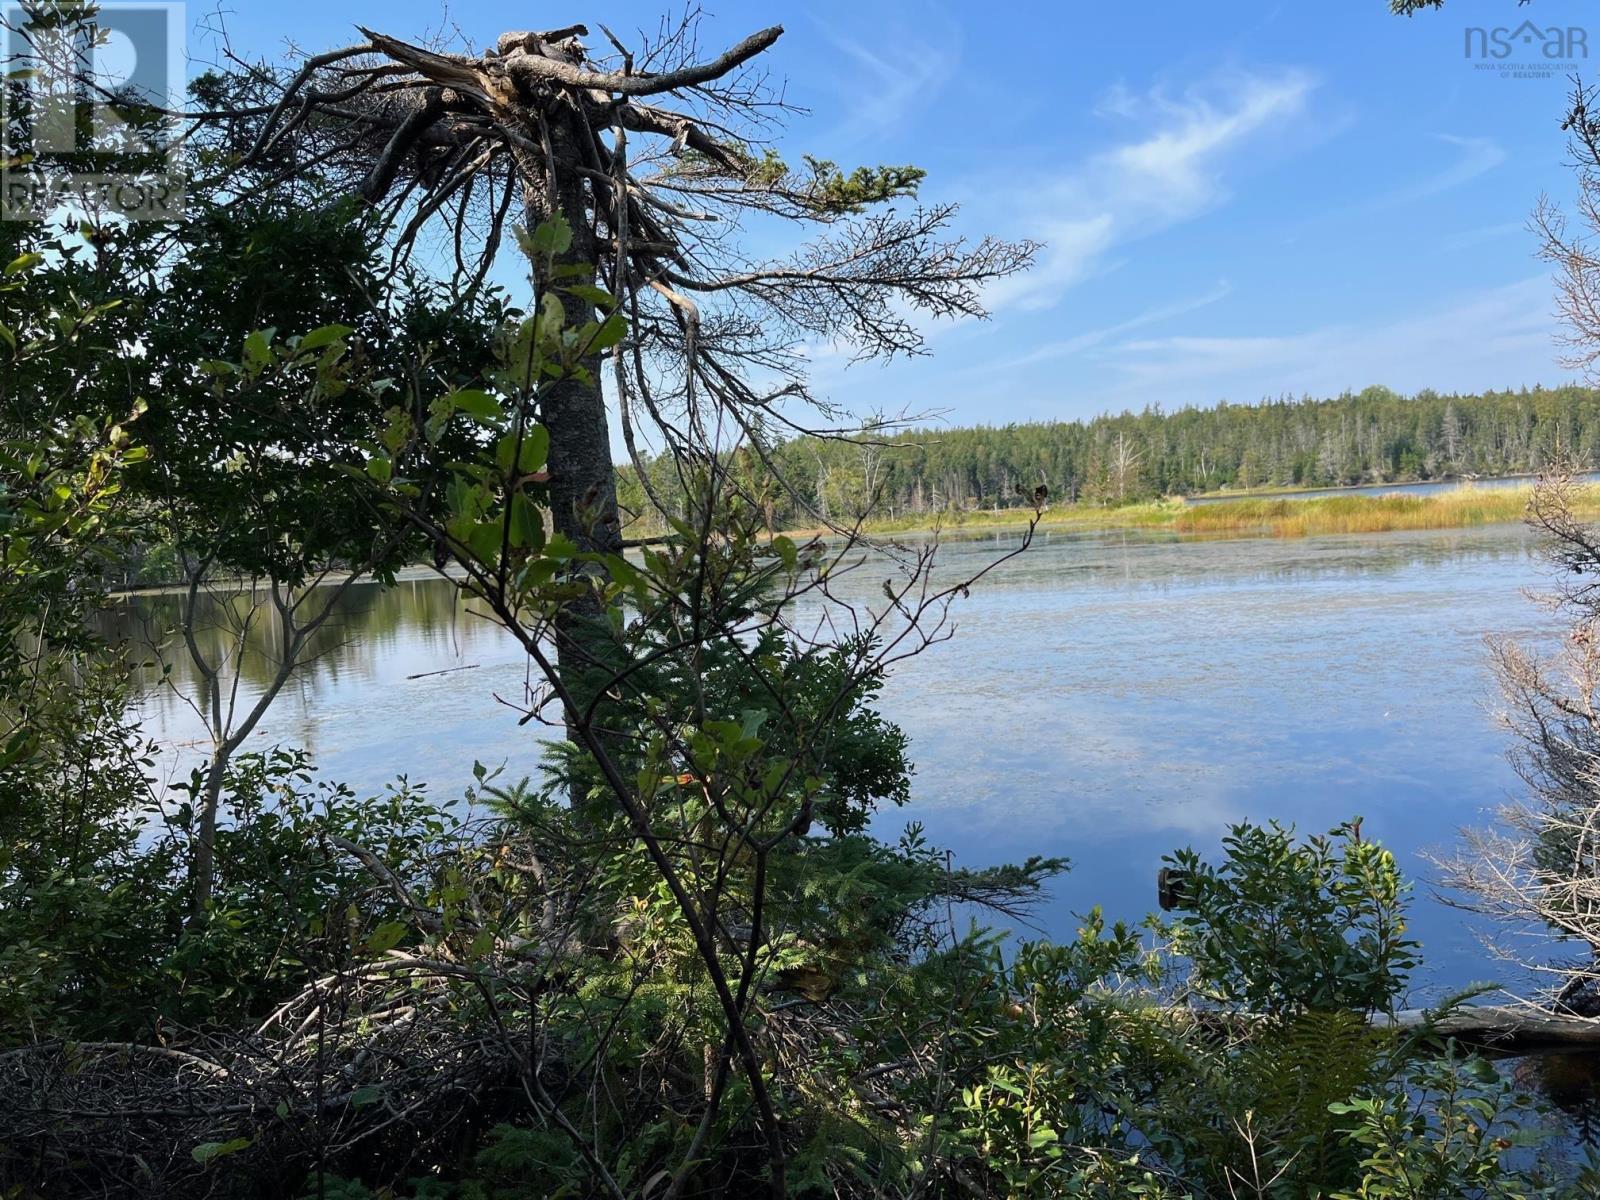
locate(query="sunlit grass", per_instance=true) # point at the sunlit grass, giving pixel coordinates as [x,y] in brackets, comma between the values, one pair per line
[1459,509]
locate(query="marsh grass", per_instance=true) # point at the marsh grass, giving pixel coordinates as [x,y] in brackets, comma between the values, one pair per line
[1462,508]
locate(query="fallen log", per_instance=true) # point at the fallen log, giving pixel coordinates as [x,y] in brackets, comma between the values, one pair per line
[1508,1028]
[1498,1030]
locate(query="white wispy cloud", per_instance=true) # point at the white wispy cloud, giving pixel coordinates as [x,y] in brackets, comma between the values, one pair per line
[1171,173]
[1090,338]
[1472,158]
[888,79]
[1486,233]
[1499,337]
[1475,156]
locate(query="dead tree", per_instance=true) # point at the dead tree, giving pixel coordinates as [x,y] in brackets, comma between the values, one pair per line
[1570,247]
[653,159]
[636,176]
[233,616]
[1540,868]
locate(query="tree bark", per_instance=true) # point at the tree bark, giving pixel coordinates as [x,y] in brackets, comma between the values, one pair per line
[583,489]
[1510,1029]
[203,868]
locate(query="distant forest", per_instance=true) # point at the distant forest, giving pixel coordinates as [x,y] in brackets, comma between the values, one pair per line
[1375,436]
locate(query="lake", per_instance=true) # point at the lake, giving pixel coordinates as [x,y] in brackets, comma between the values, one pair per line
[1108,697]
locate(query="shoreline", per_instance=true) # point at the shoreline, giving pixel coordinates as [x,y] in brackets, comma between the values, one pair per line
[1269,493]
[1240,516]
[1275,515]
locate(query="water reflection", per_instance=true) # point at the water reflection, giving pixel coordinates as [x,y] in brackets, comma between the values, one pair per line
[422,615]
[1570,1083]
[353,703]
[1107,697]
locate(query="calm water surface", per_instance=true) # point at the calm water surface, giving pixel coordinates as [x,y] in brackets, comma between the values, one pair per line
[1107,697]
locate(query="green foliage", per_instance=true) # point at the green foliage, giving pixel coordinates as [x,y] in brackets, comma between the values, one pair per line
[821,189]
[65,436]
[274,302]
[1080,1082]
[1071,1039]
[72,769]
[1370,437]
[1443,1131]
[98,947]
[1283,927]
[831,191]
[288,901]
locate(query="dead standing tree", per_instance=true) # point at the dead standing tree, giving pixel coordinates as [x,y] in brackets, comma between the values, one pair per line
[1540,869]
[1573,252]
[652,159]
[637,177]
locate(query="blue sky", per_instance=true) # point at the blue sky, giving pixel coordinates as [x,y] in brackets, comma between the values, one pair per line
[1240,199]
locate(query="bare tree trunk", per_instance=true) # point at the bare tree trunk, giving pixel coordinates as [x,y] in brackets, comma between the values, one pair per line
[229,731]
[225,744]
[583,488]
[203,866]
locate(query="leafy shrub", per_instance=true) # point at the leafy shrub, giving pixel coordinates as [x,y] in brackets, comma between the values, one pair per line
[1283,927]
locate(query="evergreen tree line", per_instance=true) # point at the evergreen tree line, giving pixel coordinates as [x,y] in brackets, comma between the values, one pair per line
[1374,436]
